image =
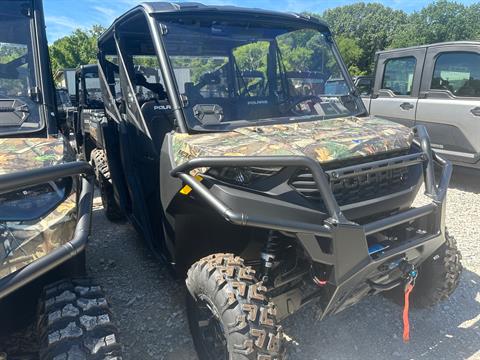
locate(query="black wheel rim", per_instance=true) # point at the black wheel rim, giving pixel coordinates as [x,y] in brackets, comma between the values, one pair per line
[211,330]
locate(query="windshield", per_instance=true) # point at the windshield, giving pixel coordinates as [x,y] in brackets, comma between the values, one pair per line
[18,112]
[90,92]
[239,74]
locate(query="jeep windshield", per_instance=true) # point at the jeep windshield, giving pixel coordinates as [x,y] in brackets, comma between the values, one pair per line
[240,73]
[18,112]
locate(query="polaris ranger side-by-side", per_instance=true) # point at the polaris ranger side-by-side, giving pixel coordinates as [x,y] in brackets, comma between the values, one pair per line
[227,153]
[45,205]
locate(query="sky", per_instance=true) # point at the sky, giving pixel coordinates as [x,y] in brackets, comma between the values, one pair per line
[64,16]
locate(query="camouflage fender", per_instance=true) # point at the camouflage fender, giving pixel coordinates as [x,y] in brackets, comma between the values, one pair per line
[324,140]
[17,154]
[22,242]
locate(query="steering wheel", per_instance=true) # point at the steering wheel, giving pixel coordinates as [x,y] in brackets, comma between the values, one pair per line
[209,78]
[292,105]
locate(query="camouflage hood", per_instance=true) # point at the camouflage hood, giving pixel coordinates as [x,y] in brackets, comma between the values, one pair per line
[324,140]
[18,154]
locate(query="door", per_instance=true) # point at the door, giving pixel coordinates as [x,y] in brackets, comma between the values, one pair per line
[397,85]
[449,104]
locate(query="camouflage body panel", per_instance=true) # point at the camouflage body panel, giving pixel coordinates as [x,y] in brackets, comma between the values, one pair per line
[22,242]
[324,140]
[18,154]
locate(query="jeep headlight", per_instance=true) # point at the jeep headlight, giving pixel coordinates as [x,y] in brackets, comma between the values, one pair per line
[34,222]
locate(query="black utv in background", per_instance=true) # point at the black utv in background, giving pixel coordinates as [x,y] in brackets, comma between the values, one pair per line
[229,149]
[88,120]
[45,206]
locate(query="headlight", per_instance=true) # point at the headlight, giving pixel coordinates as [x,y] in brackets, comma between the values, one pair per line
[243,175]
[34,222]
[33,202]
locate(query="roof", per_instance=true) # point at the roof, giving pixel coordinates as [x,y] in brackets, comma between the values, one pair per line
[189,8]
[448,43]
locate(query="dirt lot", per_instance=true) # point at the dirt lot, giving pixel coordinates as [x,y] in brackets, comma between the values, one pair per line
[150,305]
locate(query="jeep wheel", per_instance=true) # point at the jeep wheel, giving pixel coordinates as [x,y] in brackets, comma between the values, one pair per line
[229,315]
[74,322]
[112,210]
[438,277]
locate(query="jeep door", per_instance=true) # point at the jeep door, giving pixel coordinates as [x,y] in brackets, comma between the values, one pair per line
[449,104]
[397,84]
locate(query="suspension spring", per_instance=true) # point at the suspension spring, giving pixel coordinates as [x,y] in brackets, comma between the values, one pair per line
[273,247]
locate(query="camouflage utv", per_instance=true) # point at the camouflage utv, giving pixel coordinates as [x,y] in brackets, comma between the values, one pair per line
[45,207]
[226,151]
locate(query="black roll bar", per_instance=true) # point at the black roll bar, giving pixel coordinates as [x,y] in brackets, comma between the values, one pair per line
[22,179]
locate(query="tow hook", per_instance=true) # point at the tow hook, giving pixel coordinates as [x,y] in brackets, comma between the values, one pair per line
[409,271]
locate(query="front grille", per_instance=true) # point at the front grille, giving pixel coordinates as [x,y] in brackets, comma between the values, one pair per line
[355,188]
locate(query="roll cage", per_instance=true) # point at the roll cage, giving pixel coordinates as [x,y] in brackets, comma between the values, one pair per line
[147,19]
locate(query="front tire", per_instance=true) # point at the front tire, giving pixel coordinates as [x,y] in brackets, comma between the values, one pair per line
[74,322]
[229,314]
[438,277]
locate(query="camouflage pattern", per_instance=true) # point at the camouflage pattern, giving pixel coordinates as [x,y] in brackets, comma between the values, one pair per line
[324,140]
[22,242]
[17,154]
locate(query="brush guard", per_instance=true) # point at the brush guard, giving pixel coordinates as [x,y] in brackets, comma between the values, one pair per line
[353,271]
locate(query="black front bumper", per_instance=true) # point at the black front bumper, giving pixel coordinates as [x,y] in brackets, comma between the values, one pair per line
[20,180]
[337,244]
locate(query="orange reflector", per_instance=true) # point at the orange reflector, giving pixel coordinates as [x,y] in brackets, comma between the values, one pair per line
[187,189]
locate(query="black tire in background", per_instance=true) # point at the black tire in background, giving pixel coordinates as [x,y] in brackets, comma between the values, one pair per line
[74,322]
[229,315]
[112,210]
[438,277]
[102,172]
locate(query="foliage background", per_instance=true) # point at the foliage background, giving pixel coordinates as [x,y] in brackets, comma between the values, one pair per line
[360,30]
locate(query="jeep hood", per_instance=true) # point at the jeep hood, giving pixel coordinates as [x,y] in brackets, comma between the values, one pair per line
[19,154]
[323,140]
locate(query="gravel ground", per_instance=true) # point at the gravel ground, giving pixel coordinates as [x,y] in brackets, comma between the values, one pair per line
[149,305]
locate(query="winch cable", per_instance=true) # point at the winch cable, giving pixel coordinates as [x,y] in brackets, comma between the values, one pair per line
[409,285]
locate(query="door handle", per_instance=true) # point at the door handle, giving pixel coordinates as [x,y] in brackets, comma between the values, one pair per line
[406,106]
[476,111]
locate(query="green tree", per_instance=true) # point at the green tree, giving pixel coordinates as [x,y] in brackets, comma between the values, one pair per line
[76,49]
[352,53]
[372,25]
[438,22]
[252,56]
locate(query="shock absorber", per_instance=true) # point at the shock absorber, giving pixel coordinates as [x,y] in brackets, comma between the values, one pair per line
[269,253]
